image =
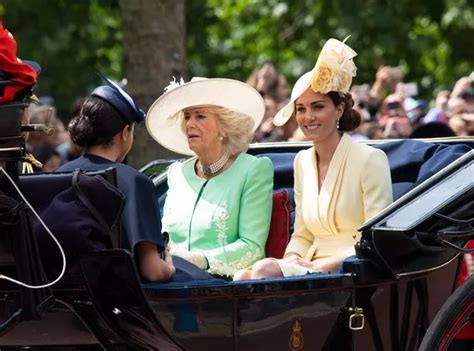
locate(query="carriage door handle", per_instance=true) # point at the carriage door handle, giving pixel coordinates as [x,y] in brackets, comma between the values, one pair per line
[356,319]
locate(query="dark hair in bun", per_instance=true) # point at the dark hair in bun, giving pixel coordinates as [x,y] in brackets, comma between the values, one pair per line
[350,118]
[96,123]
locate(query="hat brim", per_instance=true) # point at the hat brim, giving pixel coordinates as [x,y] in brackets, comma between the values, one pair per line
[284,114]
[162,120]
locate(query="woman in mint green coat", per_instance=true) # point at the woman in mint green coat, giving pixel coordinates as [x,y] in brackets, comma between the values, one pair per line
[218,206]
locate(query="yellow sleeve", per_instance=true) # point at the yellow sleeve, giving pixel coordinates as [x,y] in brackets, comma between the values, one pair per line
[376,184]
[302,238]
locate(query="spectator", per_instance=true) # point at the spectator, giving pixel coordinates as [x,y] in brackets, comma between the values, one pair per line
[415,110]
[463,88]
[372,130]
[268,82]
[274,90]
[462,124]
[67,150]
[386,80]
[42,144]
[438,112]
[361,96]
[394,119]
[457,105]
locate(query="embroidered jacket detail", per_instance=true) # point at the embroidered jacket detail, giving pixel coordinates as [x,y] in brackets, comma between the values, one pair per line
[221,216]
[229,268]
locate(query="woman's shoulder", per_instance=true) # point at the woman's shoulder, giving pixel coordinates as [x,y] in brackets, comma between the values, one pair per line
[181,172]
[128,173]
[178,166]
[305,155]
[305,152]
[368,156]
[365,150]
[251,161]
[70,165]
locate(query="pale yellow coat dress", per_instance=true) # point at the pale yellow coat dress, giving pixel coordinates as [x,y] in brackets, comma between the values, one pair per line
[357,186]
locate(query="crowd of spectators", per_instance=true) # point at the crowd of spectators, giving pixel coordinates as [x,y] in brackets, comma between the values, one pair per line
[390,109]
[52,147]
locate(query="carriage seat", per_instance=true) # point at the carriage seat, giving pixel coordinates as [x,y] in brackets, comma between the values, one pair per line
[77,225]
[41,188]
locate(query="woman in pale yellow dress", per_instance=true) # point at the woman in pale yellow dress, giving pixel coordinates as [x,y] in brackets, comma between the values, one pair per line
[338,183]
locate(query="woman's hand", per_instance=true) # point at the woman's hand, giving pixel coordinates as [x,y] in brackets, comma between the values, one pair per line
[152,267]
[297,259]
[291,257]
[325,265]
[169,264]
[328,264]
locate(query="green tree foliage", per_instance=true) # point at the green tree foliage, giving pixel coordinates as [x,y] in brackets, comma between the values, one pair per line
[432,40]
[70,40]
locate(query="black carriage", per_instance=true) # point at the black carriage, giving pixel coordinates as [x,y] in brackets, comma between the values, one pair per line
[385,298]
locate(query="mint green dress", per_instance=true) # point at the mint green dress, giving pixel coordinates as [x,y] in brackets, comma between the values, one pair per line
[227,217]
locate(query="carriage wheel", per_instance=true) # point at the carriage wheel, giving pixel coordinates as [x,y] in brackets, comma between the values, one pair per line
[456,313]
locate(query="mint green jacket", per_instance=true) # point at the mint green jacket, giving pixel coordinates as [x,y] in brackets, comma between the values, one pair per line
[227,218]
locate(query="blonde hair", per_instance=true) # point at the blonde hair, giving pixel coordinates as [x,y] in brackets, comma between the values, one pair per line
[235,128]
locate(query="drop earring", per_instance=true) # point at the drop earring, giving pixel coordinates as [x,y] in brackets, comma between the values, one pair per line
[337,123]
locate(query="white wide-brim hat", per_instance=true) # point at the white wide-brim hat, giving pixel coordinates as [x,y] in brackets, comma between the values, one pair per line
[333,71]
[163,118]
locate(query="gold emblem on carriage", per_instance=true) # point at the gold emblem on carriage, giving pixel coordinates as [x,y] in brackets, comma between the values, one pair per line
[296,341]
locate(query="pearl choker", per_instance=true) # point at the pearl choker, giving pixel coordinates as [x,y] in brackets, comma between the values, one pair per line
[215,167]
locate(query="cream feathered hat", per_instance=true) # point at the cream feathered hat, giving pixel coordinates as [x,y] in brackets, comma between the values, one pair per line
[333,71]
[163,117]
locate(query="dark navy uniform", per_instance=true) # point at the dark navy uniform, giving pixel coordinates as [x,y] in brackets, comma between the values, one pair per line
[141,215]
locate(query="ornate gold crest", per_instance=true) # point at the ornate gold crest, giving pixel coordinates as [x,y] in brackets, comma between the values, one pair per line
[296,340]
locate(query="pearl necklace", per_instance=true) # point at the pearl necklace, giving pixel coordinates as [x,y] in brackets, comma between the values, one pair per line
[215,167]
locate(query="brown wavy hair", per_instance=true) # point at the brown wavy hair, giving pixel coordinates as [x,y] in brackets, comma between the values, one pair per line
[350,118]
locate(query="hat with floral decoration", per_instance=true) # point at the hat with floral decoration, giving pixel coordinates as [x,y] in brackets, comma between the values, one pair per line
[333,71]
